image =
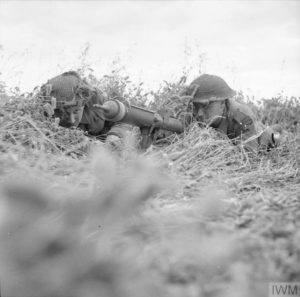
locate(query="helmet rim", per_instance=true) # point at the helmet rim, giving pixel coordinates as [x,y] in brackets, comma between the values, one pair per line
[210,87]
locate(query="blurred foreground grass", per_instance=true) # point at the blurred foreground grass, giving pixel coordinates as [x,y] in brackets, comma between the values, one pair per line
[198,217]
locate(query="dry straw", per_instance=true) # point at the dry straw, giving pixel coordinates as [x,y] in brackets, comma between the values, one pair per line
[194,217]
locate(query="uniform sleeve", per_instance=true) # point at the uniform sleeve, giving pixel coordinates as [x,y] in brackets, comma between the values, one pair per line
[93,118]
[249,134]
[120,129]
[245,126]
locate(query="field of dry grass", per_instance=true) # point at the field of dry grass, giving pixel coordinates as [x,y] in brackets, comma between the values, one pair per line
[197,217]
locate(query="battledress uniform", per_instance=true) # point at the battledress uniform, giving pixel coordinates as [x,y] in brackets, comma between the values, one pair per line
[70,87]
[236,120]
[240,124]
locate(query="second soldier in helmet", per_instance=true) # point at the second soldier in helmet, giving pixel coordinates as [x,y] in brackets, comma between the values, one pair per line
[213,104]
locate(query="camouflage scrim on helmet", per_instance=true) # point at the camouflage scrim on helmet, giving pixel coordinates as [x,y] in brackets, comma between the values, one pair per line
[207,87]
[69,89]
[71,94]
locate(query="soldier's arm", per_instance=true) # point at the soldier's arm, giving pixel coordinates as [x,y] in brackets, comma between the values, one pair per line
[117,134]
[247,126]
[249,134]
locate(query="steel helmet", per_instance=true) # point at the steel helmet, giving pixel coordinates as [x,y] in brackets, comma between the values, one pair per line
[209,87]
[69,89]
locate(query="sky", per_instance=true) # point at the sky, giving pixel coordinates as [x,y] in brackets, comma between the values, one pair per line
[253,45]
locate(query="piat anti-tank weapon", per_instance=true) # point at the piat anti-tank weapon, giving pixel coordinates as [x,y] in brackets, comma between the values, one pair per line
[115,110]
[148,121]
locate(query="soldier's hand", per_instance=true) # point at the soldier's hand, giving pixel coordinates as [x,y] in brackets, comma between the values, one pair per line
[278,133]
[270,137]
[48,110]
[113,142]
[266,139]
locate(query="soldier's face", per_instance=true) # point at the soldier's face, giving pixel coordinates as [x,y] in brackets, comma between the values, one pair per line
[209,113]
[71,116]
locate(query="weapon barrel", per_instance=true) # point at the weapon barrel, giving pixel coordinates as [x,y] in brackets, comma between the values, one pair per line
[139,116]
[145,118]
[116,111]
